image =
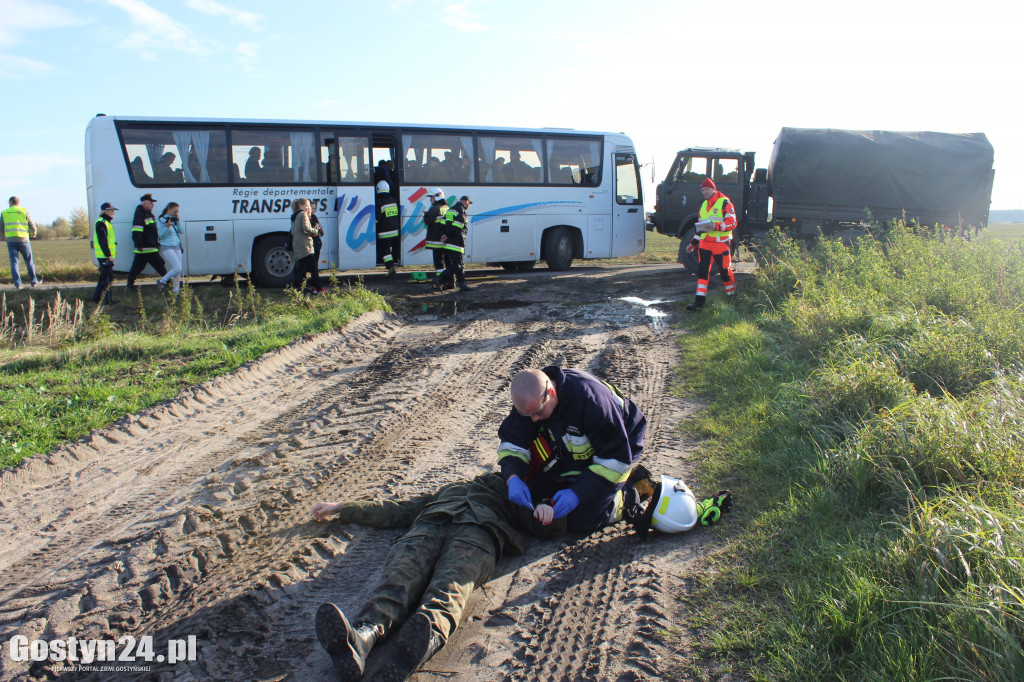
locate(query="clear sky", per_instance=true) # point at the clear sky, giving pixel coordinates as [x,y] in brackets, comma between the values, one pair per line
[669,73]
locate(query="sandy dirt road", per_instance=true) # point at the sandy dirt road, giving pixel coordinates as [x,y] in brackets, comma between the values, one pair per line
[192,518]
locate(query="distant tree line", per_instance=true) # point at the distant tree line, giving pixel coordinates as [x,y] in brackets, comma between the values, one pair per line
[75,226]
[1006,216]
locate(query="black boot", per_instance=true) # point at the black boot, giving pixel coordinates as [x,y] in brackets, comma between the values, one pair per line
[346,645]
[698,303]
[417,642]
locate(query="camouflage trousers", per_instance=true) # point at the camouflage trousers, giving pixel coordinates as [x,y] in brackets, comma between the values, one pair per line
[433,568]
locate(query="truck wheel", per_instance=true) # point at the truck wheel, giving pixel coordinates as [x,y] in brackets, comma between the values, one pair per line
[272,264]
[690,260]
[558,249]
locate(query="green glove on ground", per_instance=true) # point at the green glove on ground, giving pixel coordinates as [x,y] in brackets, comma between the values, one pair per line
[709,511]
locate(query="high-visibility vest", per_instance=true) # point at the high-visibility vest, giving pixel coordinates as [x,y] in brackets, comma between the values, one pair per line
[111,243]
[15,223]
[716,213]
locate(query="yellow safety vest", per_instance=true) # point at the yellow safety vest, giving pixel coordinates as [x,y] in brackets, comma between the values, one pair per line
[15,224]
[111,244]
[715,213]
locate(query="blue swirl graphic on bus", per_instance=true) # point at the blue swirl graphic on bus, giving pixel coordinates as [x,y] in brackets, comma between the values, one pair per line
[360,230]
[414,222]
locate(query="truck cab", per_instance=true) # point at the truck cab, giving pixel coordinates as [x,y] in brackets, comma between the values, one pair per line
[679,199]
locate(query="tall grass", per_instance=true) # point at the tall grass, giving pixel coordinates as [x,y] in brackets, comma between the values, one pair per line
[868,400]
[64,372]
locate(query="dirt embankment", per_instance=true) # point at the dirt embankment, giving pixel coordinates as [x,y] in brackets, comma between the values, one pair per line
[192,518]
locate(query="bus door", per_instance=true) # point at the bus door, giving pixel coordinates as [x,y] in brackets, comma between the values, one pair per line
[385,148]
[628,231]
[209,247]
[354,212]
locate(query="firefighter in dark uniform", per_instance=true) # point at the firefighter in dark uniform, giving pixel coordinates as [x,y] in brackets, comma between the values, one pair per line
[456,225]
[590,437]
[105,248]
[456,535]
[433,218]
[146,240]
[389,245]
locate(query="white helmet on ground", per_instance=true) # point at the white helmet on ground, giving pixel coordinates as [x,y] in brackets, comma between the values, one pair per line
[673,509]
[383,186]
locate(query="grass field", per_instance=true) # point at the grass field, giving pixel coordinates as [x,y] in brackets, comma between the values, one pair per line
[865,407]
[65,371]
[57,260]
[1005,231]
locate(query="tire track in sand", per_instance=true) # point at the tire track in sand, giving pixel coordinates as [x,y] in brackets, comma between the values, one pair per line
[219,544]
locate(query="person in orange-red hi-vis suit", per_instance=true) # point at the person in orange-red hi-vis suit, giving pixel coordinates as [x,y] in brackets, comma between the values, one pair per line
[712,240]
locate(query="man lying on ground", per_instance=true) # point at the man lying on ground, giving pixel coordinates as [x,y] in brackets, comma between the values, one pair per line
[456,535]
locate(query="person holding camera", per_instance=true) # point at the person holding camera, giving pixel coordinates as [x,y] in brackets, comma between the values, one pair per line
[170,232]
[105,247]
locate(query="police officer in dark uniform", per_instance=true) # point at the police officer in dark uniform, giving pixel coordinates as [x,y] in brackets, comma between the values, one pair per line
[146,240]
[456,225]
[105,247]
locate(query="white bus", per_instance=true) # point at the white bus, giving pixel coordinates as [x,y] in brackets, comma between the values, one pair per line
[538,194]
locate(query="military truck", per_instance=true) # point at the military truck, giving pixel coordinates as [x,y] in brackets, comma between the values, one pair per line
[832,180]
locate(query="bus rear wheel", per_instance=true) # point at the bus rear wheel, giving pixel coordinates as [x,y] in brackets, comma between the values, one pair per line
[558,249]
[272,264]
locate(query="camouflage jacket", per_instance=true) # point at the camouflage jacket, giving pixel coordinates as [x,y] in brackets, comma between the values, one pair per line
[482,501]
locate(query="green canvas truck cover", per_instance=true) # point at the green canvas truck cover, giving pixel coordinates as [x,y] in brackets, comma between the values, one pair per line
[935,174]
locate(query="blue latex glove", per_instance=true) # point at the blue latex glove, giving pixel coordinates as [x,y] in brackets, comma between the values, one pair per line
[519,493]
[565,501]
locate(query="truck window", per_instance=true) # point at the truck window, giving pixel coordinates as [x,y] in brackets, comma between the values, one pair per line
[726,171]
[691,169]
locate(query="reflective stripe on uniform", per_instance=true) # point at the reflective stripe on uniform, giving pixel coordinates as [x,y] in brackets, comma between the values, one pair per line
[388,235]
[618,396]
[452,247]
[540,446]
[506,449]
[578,446]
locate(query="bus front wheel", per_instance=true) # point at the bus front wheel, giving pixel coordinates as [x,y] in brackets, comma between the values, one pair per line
[272,264]
[558,249]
